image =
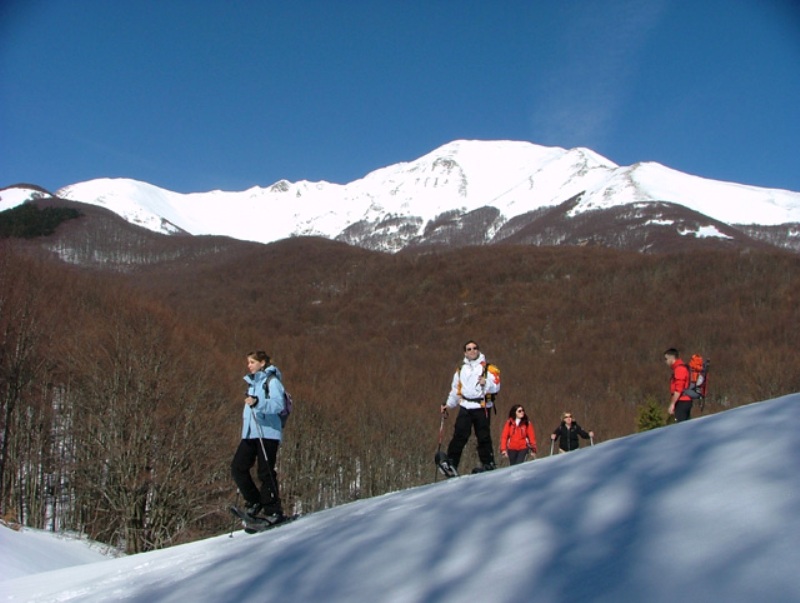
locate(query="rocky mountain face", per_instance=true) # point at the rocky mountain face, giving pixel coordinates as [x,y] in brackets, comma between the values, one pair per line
[471,193]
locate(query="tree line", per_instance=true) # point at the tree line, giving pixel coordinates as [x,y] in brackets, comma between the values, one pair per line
[122,392]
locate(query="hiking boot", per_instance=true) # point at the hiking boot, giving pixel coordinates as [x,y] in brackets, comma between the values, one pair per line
[273,507]
[485,467]
[447,469]
[252,509]
[274,518]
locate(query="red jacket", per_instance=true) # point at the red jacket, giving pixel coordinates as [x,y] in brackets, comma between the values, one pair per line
[680,379]
[517,437]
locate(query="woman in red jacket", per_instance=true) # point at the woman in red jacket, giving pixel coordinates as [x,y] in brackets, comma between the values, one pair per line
[518,436]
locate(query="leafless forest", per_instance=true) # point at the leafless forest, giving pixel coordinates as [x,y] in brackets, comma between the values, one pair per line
[122,387]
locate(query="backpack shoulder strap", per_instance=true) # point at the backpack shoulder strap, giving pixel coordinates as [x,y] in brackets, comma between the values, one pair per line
[490,397]
[270,376]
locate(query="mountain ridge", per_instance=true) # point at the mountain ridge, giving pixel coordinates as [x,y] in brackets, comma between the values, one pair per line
[472,187]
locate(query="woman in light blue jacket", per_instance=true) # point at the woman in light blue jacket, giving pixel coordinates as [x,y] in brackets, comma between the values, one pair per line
[261,435]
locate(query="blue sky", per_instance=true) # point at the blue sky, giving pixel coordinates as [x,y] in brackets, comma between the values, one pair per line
[195,95]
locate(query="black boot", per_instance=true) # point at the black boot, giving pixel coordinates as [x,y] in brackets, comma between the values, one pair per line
[252,509]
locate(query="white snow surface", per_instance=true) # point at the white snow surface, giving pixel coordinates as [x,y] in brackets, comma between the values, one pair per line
[38,551]
[515,177]
[707,510]
[16,195]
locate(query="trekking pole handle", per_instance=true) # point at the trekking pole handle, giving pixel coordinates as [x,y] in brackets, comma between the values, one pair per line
[260,433]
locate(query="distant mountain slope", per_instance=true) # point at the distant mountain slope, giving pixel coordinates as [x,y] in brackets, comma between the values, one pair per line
[471,192]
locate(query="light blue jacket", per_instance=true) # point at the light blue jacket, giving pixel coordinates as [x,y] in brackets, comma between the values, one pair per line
[266,423]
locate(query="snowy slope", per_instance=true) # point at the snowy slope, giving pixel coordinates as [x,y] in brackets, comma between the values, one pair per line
[725,201]
[707,510]
[514,177]
[38,551]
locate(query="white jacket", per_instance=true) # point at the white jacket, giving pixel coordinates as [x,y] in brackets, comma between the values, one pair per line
[466,389]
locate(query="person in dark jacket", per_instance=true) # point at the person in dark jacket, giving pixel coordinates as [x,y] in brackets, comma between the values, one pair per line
[567,433]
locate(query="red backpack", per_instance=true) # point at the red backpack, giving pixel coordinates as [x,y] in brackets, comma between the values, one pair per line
[698,379]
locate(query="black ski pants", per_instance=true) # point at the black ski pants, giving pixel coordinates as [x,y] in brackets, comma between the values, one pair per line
[247,453]
[515,457]
[467,419]
[683,410]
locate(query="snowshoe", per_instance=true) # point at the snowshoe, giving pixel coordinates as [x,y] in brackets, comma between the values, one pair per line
[445,466]
[253,525]
[483,468]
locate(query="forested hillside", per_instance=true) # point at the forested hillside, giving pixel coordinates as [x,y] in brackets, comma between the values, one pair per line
[122,390]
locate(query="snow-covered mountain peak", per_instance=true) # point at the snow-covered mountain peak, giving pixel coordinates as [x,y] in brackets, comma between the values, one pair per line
[403,204]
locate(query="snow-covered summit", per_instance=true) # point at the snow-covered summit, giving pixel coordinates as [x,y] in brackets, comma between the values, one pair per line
[707,510]
[724,201]
[13,196]
[393,206]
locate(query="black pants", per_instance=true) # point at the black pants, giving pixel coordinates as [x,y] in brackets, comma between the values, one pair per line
[477,418]
[244,459]
[683,408]
[516,457]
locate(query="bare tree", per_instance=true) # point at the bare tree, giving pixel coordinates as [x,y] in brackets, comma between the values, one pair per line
[27,317]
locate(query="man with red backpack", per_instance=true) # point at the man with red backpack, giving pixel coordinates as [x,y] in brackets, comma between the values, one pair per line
[680,404]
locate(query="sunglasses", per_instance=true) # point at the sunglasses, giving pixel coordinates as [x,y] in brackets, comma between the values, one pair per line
[470,349]
[520,410]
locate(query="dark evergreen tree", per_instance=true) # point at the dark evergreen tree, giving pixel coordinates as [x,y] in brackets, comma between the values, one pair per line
[650,415]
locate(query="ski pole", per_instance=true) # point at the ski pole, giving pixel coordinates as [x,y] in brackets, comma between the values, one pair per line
[439,448]
[233,521]
[591,440]
[552,443]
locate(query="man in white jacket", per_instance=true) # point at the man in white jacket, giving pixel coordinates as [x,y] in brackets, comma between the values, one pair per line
[472,391]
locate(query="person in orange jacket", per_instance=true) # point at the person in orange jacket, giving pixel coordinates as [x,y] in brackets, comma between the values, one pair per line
[518,436]
[680,404]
